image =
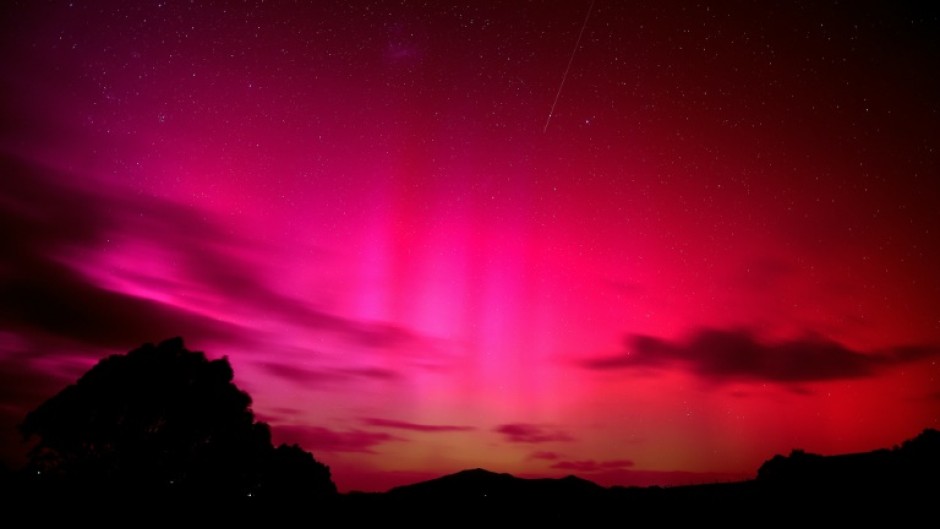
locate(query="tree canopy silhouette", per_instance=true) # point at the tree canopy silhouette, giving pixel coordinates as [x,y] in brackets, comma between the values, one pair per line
[164,420]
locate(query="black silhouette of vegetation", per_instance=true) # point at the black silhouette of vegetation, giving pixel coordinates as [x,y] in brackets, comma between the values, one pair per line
[905,476]
[164,422]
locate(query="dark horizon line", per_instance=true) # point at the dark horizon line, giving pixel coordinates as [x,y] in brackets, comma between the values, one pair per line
[926,435]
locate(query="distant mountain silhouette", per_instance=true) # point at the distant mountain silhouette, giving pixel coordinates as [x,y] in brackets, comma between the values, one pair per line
[899,482]
[484,485]
[166,427]
[482,496]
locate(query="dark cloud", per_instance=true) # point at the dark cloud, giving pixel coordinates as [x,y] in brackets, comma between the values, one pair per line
[313,377]
[402,425]
[23,387]
[725,355]
[277,413]
[53,299]
[37,213]
[589,465]
[319,439]
[300,375]
[374,373]
[531,433]
[378,335]
[48,222]
[55,292]
[56,225]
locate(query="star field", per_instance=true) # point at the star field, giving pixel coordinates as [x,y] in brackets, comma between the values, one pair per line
[722,245]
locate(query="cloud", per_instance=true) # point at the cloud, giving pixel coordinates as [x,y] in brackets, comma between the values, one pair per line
[729,355]
[375,373]
[319,439]
[53,299]
[23,386]
[50,225]
[531,433]
[312,377]
[106,266]
[89,270]
[589,465]
[401,425]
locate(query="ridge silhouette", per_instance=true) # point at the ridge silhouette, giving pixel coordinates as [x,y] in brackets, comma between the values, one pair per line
[492,486]
[165,426]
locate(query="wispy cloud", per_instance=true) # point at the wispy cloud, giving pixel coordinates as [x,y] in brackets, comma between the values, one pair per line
[531,433]
[100,266]
[415,427]
[319,439]
[311,377]
[589,465]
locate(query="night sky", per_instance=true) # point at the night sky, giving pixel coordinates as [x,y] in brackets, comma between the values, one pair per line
[722,244]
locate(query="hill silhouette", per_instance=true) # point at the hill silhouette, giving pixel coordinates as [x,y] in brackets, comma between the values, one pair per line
[901,482]
[165,426]
[483,485]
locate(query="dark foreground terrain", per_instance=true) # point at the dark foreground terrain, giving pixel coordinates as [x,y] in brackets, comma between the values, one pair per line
[162,435]
[897,486]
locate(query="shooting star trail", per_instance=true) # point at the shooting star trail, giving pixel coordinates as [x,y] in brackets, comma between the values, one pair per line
[570,60]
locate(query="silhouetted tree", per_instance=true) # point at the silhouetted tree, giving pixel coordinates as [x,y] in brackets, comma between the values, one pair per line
[926,443]
[293,474]
[163,420]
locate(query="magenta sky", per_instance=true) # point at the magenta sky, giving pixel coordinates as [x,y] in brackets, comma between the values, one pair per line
[724,245]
